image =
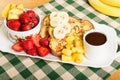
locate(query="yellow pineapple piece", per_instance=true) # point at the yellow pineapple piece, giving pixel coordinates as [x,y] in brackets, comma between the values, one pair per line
[77,57]
[12,16]
[5,11]
[70,39]
[78,50]
[15,11]
[67,52]
[66,58]
[69,46]
[20,6]
[13,6]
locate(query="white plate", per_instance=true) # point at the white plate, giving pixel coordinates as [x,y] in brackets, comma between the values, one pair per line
[5,46]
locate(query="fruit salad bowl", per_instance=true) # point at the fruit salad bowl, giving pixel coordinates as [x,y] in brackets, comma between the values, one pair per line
[15,34]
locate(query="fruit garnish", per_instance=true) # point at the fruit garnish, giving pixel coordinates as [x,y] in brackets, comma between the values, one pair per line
[17,46]
[12,11]
[14,24]
[28,44]
[36,39]
[32,51]
[43,51]
[31,45]
[31,13]
[26,27]
[44,42]
[24,18]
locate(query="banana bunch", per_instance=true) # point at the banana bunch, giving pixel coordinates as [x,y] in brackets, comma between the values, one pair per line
[107,7]
[59,20]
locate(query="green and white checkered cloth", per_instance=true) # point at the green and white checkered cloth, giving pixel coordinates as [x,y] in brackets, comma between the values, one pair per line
[13,67]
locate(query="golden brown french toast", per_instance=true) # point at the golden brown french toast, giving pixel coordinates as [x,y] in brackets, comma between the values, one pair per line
[78,27]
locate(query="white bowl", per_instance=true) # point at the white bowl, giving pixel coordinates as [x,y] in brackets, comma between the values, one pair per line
[15,35]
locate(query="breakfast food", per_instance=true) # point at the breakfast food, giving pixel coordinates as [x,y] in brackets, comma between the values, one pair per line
[107,7]
[65,35]
[19,19]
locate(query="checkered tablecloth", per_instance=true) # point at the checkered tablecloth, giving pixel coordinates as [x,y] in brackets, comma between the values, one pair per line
[13,67]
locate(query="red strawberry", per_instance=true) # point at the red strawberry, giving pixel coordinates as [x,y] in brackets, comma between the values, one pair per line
[36,39]
[34,21]
[17,46]
[24,18]
[31,13]
[14,24]
[32,51]
[44,42]
[43,51]
[26,27]
[28,44]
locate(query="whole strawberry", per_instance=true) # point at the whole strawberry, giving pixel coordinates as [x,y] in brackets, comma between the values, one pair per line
[31,13]
[24,18]
[26,27]
[14,24]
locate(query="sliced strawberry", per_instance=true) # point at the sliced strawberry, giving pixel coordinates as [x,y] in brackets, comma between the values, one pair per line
[30,13]
[17,46]
[32,51]
[26,27]
[44,42]
[43,51]
[36,38]
[28,44]
[14,24]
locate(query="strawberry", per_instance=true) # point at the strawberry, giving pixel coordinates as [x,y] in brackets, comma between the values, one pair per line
[43,51]
[36,38]
[44,42]
[34,21]
[31,13]
[24,18]
[17,46]
[26,27]
[32,51]
[28,44]
[14,24]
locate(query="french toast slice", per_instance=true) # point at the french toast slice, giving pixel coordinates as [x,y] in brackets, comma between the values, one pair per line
[78,27]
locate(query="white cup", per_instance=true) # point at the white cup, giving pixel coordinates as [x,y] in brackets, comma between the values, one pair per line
[105,52]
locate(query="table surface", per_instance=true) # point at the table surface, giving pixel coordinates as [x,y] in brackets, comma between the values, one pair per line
[21,67]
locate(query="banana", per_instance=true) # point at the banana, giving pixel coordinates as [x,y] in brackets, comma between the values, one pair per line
[105,9]
[115,3]
[57,18]
[61,30]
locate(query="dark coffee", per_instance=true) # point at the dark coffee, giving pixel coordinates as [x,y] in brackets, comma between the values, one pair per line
[96,38]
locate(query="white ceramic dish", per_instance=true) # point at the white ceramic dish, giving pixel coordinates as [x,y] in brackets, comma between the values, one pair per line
[6,47]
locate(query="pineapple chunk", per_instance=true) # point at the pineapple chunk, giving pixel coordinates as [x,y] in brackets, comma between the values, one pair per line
[77,49]
[67,52]
[5,11]
[77,57]
[69,46]
[20,6]
[78,43]
[13,6]
[13,16]
[66,58]
[70,39]
[15,11]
